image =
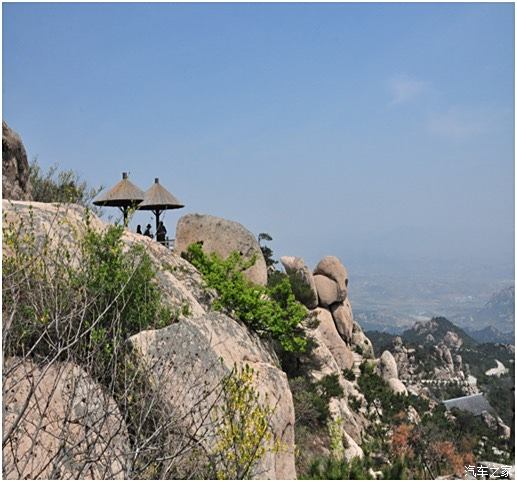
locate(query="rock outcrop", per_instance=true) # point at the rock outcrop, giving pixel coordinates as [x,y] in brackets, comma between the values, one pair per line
[361,343]
[221,236]
[195,354]
[15,167]
[70,428]
[387,366]
[327,289]
[397,386]
[344,320]
[340,346]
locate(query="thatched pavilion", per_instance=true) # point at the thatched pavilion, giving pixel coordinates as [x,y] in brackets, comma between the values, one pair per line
[124,195]
[157,199]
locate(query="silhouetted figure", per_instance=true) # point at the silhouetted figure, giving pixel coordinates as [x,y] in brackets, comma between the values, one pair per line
[147,231]
[161,233]
[139,229]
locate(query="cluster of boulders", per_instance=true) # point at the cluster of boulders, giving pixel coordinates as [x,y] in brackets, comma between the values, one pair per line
[341,345]
[330,304]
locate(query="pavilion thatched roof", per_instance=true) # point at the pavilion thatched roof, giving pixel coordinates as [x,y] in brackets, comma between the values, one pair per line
[157,197]
[124,193]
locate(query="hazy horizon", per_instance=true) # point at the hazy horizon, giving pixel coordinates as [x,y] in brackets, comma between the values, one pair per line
[380,133]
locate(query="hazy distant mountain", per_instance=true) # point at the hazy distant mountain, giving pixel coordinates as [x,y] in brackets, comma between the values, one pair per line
[499,311]
[436,330]
[490,334]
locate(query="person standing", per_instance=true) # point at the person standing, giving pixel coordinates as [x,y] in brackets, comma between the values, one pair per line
[147,231]
[161,232]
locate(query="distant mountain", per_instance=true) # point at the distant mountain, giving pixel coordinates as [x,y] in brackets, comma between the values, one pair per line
[437,329]
[499,310]
[490,334]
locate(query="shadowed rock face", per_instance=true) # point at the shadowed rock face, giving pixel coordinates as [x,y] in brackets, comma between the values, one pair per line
[221,236]
[15,167]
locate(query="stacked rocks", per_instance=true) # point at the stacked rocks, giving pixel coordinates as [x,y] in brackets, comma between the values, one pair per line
[341,343]
[328,300]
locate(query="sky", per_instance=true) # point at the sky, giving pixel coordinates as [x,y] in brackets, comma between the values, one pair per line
[379,133]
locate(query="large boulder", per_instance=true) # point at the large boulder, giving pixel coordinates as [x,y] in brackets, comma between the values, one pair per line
[15,167]
[221,236]
[188,360]
[397,386]
[343,318]
[332,268]
[327,289]
[330,337]
[387,366]
[60,424]
[296,268]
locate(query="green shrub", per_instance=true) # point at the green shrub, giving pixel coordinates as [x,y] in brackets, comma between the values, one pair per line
[270,311]
[91,296]
[60,186]
[332,469]
[244,433]
[349,374]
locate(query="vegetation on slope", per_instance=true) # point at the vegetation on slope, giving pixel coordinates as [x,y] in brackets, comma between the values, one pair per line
[270,311]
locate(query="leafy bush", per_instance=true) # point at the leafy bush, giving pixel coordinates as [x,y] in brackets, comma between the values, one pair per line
[60,186]
[349,374]
[243,430]
[270,311]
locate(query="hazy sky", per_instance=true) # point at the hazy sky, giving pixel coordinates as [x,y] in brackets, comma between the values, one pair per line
[375,132]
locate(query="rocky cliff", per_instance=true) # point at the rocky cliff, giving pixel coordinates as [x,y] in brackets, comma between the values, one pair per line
[211,344]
